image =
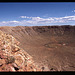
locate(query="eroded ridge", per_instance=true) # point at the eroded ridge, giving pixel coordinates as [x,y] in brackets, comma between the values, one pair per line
[12,57]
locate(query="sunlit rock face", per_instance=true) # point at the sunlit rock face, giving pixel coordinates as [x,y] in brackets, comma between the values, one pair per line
[12,57]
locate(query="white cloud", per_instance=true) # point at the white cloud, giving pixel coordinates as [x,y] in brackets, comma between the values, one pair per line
[73,11]
[25,17]
[65,19]
[38,20]
[22,16]
[9,22]
[14,21]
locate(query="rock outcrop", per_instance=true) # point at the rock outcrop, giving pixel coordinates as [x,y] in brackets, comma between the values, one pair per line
[12,57]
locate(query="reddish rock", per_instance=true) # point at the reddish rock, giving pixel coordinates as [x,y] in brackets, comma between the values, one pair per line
[12,57]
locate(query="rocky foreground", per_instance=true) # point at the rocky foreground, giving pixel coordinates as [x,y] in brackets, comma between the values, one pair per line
[12,57]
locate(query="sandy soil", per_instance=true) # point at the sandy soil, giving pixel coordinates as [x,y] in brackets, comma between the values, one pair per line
[52,47]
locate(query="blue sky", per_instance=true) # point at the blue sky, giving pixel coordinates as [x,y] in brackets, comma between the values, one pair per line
[37,13]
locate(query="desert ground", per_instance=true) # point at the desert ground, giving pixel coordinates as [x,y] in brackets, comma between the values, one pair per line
[52,47]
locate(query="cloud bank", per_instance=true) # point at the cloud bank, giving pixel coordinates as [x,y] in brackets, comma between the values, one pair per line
[39,21]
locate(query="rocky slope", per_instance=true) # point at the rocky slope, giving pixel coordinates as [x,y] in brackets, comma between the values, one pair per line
[12,57]
[52,47]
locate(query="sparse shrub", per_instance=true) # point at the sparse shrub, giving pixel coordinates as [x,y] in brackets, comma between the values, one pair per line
[51,68]
[2,48]
[10,59]
[43,68]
